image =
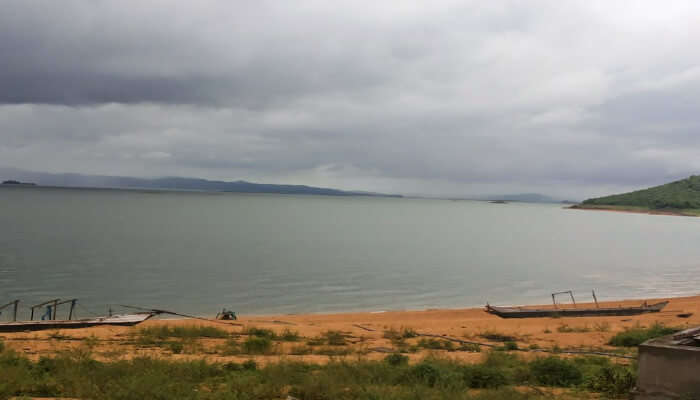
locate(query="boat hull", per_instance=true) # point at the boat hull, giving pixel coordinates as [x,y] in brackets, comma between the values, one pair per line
[114,320]
[518,312]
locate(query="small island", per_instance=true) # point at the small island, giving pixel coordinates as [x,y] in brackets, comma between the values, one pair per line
[676,198]
[14,182]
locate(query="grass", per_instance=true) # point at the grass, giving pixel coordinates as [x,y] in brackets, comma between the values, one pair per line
[286,335]
[330,338]
[257,345]
[404,333]
[76,374]
[162,332]
[635,336]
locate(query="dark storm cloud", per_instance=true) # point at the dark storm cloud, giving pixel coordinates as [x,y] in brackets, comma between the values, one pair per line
[451,97]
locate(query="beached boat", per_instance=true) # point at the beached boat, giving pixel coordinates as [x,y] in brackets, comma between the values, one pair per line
[49,321]
[112,320]
[522,312]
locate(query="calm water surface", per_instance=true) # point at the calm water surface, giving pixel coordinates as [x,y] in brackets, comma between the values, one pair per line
[198,252]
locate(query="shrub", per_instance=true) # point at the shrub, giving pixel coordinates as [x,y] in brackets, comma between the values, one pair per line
[635,336]
[510,346]
[176,347]
[611,379]
[257,345]
[485,376]
[261,332]
[424,373]
[396,359]
[249,365]
[555,371]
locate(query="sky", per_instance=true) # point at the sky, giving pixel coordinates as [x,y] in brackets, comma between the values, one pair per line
[573,99]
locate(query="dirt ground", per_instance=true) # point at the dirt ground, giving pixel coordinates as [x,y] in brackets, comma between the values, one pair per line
[365,334]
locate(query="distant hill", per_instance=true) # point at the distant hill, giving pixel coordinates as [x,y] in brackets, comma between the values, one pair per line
[173,183]
[675,196]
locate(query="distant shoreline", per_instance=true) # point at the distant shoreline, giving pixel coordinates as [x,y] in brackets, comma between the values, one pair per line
[635,210]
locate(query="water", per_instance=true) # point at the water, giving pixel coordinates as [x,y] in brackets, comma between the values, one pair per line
[199,252]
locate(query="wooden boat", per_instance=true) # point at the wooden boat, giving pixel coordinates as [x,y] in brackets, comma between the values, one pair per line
[522,312]
[112,320]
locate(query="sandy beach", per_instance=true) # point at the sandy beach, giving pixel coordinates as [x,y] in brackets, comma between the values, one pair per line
[632,210]
[366,334]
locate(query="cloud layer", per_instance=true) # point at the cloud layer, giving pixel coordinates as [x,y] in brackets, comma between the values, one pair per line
[445,98]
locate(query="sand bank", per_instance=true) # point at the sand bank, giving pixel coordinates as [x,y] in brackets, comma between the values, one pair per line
[365,333]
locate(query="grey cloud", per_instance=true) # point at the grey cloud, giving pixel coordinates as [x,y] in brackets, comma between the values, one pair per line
[449,97]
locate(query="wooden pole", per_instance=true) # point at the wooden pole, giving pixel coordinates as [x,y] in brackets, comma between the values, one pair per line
[72,305]
[595,299]
[14,311]
[55,308]
[554,301]
[572,297]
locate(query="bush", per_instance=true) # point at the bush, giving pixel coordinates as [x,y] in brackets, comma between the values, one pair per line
[611,379]
[249,365]
[510,346]
[176,347]
[257,345]
[424,373]
[635,336]
[485,376]
[261,332]
[555,371]
[396,359]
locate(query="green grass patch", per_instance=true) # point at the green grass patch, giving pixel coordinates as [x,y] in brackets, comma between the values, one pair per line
[162,332]
[76,374]
[257,345]
[635,336]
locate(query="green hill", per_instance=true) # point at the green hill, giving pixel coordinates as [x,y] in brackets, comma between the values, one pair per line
[680,196]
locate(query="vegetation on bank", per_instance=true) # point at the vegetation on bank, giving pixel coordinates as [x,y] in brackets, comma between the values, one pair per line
[635,336]
[681,197]
[76,374]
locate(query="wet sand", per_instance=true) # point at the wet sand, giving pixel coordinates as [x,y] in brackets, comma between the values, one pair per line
[365,333]
[631,210]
